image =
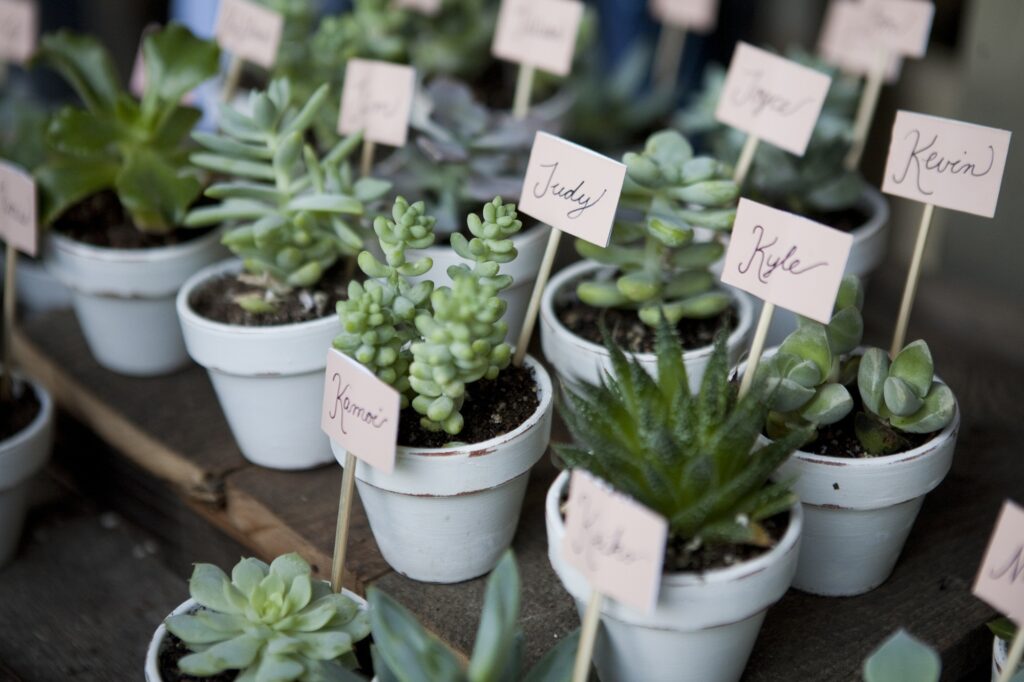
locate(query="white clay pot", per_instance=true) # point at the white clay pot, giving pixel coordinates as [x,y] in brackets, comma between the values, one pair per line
[704,625]
[269,380]
[446,515]
[579,360]
[22,456]
[124,299]
[153,651]
[523,270]
[38,290]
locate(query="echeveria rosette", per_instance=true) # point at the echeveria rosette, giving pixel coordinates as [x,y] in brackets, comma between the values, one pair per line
[270,623]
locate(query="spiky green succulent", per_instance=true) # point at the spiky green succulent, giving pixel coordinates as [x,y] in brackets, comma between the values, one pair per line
[661,269]
[269,623]
[689,457]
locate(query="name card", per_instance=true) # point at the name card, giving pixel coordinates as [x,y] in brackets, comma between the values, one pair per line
[249,31]
[616,543]
[572,188]
[946,163]
[360,412]
[428,7]
[377,99]
[771,97]
[843,42]
[699,16]
[786,259]
[902,26]
[538,33]
[19,28]
[19,226]
[1000,580]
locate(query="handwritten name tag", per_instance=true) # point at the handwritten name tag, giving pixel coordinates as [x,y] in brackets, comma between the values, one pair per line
[902,26]
[843,42]
[786,259]
[699,16]
[18,224]
[946,163]
[539,33]
[616,543]
[360,411]
[1000,580]
[377,99]
[428,7]
[19,27]
[250,31]
[771,97]
[572,188]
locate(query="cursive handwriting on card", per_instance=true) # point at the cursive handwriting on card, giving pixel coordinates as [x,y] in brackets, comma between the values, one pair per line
[765,262]
[845,41]
[699,16]
[377,100]
[249,31]
[900,26]
[19,27]
[577,197]
[1000,580]
[19,226]
[618,544]
[539,33]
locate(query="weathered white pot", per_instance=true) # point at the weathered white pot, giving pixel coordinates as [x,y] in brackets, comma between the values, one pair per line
[448,514]
[523,270]
[124,298]
[576,359]
[21,457]
[270,380]
[704,625]
[152,668]
[38,290]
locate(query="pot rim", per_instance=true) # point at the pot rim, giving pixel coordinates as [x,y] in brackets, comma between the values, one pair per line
[30,432]
[78,249]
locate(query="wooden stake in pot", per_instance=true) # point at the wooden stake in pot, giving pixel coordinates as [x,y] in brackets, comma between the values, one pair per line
[377,101]
[998,582]
[19,229]
[677,20]
[247,31]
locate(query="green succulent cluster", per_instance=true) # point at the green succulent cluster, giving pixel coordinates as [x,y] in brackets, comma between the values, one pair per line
[269,623]
[661,269]
[689,457]
[295,213]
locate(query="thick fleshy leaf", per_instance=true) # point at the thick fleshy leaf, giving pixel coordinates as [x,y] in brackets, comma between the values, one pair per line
[914,365]
[878,438]
[810,343]
[327,203]
[278,669]
[176,61]
[830,403]
[900,398]
[247,574]
[207,587]
[67,181]
[234,654]
[901,658]
[85,64]
[498,622]
[289,566]
[192,630]
[935,413]
[845,330]
[871,376]
[155,193]
[405,647]
[324,646]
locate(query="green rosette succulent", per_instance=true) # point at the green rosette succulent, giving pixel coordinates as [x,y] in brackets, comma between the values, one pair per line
[269,623]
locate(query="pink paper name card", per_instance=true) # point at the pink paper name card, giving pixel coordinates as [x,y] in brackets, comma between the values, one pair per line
[18,224]
[572,188]
[844,41]
[360,412]
[377,99]
[773,98]
[786,259]
[19,27]
[900,26]
[538,33]
[616,543]
[699,16]
[946,163]
[249,31]
[428,7]
[1000,580]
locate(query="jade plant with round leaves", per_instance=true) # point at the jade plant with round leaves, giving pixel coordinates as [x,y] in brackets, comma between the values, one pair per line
[661,269]
[269,622]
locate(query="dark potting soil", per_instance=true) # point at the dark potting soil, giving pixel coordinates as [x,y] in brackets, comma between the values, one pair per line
[840,439]
[492,408]
[679,557]
[19,411]
[215,300]
[632,335]
[100,220]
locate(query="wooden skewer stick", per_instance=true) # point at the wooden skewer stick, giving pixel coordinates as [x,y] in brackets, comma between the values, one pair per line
[668,57]
[538,292]
[746,160]
[524,91]
[866,109]
[913,276]
[588,635]
[757,347]
[366,162]
[348,480]
[10,301]
[231,78]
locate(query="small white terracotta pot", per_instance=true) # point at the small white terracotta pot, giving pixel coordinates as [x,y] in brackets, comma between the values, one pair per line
[153,651]
[21,457]
[124,299]
[38,290]
[447,514]
[523,270]
[704,625]
[269,380]
[578,360]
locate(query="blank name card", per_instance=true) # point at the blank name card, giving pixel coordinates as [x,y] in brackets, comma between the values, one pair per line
[615,542]
[1000,581]
[946,163]
[18,224]
[19,26]
[900,26]
[773,98]
[845,41]
[538,33]
[786,259]
[377,99]
[249,31]
[428,7]
[699,16]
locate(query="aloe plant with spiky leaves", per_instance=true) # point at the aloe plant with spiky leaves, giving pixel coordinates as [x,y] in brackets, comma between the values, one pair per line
[690,457]
[660,268]
[294,213]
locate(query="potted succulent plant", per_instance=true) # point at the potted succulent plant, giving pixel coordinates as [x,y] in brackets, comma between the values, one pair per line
[473,425]
[884,435]
[261,324]
[263,622]
[653,266]
[734,535]
[115,191]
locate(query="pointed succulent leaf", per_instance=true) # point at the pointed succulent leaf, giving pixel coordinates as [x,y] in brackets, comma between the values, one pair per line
[845,330]
[914,365]
[831,402]
[900,398]
[935,413]
[871,375]
[810,343]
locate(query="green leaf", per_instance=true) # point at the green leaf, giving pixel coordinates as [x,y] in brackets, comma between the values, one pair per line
[176,62]
[936,412]
[156,194]
[557,665]
[845,330]
[877,438]
[901,658]
[914,365]
[1003,628]
[900,398]
[192,630]
[830,403]
[247,574]
[404,646]
[326,203]
[810,343]
[871,376]
[498,622]
[234,654]
[86,65]
[82,133]
[66,181]
[207,587]
[371,189]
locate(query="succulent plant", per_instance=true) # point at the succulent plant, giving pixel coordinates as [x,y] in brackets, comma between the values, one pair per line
[902,658]
[660,268]
[690,458]
[1003,628]
[268,622]
[295,214]
[405,652]
[135,148]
